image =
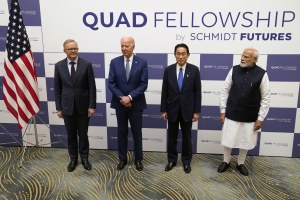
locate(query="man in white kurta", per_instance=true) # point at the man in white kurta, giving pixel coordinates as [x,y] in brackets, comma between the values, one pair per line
[240,130]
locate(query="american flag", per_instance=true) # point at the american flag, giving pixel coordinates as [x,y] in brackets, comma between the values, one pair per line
[20,91]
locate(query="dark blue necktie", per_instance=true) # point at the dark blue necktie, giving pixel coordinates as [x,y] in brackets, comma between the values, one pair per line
[73,73]
[180,78]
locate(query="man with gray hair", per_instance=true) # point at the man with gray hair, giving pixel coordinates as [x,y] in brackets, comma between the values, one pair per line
[128,81]
[245,102]
[75,100]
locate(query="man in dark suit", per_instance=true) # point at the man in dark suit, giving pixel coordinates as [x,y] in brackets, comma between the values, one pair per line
[128,80]
[180,104]
[75,99]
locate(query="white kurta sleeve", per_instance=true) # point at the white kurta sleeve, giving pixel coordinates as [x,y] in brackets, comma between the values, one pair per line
[225,91]
[265,98]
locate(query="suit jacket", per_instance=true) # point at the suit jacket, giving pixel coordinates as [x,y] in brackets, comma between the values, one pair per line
[188,99]
[135,86]
[82,93]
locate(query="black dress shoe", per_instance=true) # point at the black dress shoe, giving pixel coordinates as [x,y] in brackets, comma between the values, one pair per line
[170,166]
[187,168]
[243,169]
[139,166]
[121,164]
[223,167]
[72,165]
[86,164]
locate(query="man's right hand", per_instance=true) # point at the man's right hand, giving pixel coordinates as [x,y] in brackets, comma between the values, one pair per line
[164,115]
[222,117]
[128,105]
[60,114]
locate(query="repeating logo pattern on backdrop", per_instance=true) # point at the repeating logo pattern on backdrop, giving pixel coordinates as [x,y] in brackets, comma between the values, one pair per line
[280,135]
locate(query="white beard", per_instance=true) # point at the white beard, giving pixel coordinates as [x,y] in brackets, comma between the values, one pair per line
[243,65]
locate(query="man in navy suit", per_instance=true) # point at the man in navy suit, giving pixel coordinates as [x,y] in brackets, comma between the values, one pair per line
[75,99]
[180,104]
[128,80]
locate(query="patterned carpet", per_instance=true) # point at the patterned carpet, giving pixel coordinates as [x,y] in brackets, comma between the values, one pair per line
[44,175]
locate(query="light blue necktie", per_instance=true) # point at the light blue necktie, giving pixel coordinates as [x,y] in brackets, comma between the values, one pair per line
[127,69]
[180,78]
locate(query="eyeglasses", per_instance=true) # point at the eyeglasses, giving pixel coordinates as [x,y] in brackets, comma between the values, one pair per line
[72,49]
[181,54]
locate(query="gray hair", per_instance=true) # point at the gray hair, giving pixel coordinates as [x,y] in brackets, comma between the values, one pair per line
[68,41]
[255,52]
[128,38]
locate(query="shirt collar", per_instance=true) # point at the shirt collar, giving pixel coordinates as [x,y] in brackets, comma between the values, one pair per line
[131,58]
[76,60]
[178,66]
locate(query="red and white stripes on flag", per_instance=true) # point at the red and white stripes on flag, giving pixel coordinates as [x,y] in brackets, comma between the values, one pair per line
[20,90]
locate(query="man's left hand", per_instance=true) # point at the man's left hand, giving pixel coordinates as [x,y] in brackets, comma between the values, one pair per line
[257,125]
[125,100]
[91,112]
[195,117]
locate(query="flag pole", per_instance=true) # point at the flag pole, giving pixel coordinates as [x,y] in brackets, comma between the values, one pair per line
[32,121]
[35,132]
[25,147]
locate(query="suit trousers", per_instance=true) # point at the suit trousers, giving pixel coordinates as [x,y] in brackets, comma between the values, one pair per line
[77,129]
[186,129]
[135,119]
